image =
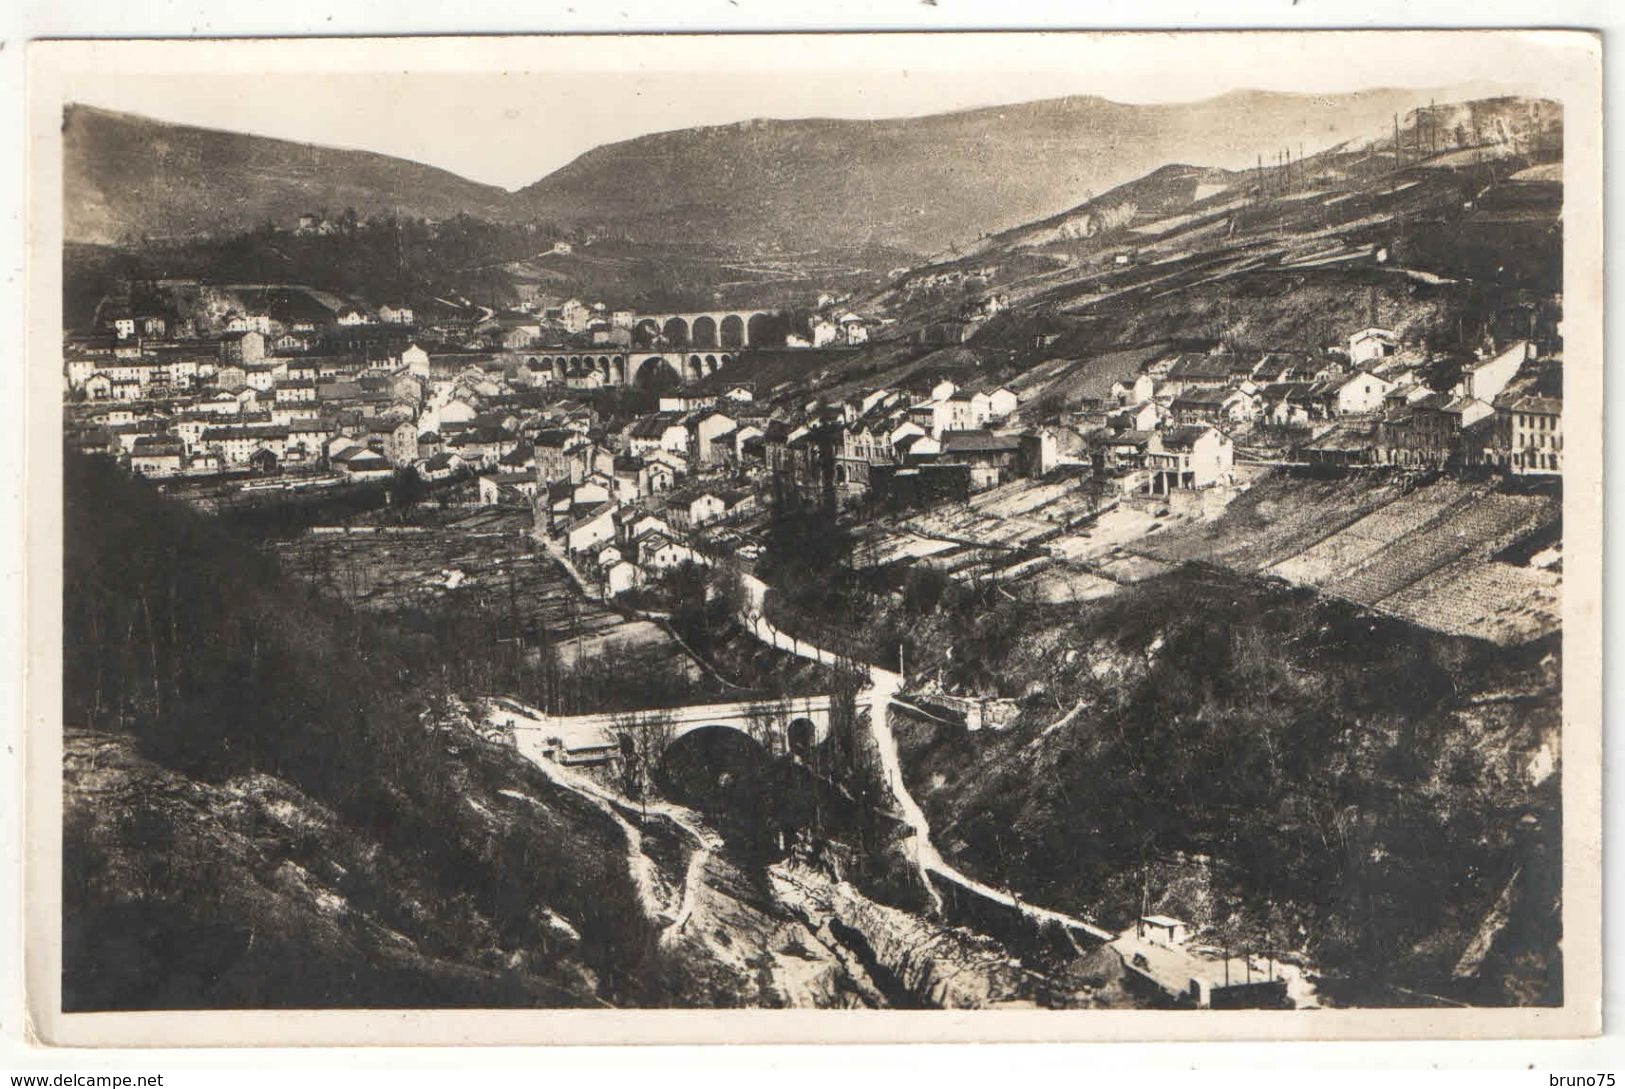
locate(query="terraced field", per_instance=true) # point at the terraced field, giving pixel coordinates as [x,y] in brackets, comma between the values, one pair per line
[1275,521]
[1363,540]
[1011,515]
[1425,555]
[1495,601]
[1479,526]
[965,539]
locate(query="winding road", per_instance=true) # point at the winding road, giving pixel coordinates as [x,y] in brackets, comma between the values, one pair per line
[886,685]
[642,868]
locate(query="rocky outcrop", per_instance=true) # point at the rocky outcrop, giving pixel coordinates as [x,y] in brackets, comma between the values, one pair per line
[909,961]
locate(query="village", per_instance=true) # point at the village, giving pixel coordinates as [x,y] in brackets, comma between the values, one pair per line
[635,446]
[1159,602]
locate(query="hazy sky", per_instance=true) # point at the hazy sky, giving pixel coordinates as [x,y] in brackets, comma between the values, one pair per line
[508,111]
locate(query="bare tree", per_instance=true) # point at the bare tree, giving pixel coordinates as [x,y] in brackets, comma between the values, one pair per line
[643,737]
[765,722]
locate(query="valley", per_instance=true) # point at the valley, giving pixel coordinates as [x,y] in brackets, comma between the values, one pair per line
[847,573]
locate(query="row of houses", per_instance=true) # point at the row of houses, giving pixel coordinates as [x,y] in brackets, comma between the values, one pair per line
[1371,404]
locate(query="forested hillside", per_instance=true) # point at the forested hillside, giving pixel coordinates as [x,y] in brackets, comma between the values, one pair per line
[1286,770]
[265,794]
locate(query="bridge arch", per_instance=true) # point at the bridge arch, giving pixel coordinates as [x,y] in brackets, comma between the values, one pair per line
[655,373]
[593,738]
[693,370]
[705,331]
[759,329]
[800,735]
[617,370]
[645,332]
[711,364]
[676,331]
[731,333]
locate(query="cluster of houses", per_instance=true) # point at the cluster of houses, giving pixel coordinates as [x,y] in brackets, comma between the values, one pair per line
[831,327]
[240,410]
[1368,404]
[1505,412]
[629,498]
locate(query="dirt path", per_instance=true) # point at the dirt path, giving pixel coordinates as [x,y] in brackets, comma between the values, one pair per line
[885,685]
[679,910]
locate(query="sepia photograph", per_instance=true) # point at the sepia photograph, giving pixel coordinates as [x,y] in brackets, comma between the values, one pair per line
[785,524]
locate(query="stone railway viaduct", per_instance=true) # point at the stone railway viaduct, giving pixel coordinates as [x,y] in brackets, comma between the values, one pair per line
[722,329]
[687,347]
[621,367]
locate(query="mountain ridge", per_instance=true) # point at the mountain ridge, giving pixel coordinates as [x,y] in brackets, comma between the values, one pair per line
[920,183]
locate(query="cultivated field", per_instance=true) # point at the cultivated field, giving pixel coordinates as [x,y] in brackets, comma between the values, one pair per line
[1428,555]
[483,560]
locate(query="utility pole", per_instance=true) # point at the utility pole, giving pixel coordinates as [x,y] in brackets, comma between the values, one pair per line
[1145,897]
[1396,142]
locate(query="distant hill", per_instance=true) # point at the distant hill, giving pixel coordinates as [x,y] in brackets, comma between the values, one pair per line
[918,184]
[925,183]
[126,176]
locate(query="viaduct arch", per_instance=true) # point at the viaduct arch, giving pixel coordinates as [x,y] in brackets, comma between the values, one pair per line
[714,329]
[583,369]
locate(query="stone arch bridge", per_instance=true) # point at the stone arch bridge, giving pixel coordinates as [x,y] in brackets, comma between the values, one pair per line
[723,329]
[590,370]
[576,740]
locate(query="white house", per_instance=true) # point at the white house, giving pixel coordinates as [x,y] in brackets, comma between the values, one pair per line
[854,330]
[933,417]
[1135,391]
[79,370]
[1486,378]
[708,427]
[496,488]
[621,576]
[590,491]
[1372,344]
[1358,394]
[416,361]
[1001,403]
[657,552]
[441,466]
[596,528]
[1141,417]
[641,524]
[698,511]
[968,411]
[156,455]
[1190,457]
[360,463]
[659,432]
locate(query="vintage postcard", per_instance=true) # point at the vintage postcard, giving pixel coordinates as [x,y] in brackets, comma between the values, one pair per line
[711,538]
